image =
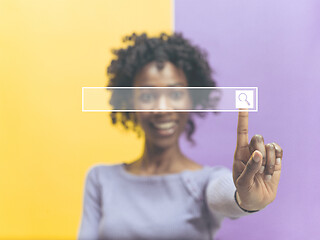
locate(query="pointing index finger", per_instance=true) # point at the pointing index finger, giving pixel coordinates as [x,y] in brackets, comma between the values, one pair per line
[242,129]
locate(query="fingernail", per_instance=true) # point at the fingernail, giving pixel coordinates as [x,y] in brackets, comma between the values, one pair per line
[261,169]
[278,161]
[256,157]
[268,178]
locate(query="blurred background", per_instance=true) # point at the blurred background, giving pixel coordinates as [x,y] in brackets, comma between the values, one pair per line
[50,49]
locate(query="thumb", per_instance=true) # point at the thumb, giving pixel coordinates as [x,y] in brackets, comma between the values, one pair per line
[253,165]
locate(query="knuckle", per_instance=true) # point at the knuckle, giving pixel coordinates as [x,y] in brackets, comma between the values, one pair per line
[257,138]
[276,145]
[243,131]
[279,150]
[270,146]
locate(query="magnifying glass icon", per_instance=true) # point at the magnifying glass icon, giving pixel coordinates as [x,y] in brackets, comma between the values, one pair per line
[243,98]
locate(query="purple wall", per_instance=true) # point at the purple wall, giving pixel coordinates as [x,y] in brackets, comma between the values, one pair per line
[274,45]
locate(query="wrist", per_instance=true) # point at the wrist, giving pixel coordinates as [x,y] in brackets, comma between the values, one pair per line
[239,203]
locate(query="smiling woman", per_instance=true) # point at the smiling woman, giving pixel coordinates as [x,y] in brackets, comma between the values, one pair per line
[164,194]
[170,57]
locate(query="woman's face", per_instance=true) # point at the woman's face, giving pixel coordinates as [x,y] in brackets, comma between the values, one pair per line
[161,128]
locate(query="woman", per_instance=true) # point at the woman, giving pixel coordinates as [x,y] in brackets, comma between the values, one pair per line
[164,194]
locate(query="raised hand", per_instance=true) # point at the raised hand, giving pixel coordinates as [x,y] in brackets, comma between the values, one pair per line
[256,168]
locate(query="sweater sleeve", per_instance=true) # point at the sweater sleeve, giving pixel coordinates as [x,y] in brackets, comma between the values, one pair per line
[91,212]
[220,195]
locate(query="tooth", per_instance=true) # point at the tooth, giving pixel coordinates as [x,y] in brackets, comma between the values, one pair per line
[164,125]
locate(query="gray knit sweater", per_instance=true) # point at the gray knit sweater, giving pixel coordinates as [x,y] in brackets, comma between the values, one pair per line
[188,205]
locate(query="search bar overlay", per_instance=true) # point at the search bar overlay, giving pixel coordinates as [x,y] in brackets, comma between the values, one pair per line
[169,99]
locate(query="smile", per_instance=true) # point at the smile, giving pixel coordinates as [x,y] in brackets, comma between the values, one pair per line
[165,129]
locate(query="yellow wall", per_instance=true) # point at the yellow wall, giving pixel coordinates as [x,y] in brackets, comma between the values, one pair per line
[49,49]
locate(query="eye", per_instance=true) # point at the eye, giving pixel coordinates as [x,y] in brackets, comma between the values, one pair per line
[146,97]
[176,95]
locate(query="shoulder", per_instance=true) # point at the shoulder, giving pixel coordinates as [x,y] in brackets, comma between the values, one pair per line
[98,167]
[99,171]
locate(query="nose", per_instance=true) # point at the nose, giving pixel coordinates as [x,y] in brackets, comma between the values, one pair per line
[163,103]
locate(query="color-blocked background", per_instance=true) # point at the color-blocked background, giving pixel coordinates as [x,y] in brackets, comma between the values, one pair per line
[50,49]
[274,45]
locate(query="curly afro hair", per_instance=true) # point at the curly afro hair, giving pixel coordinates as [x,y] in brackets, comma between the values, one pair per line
[142,50]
